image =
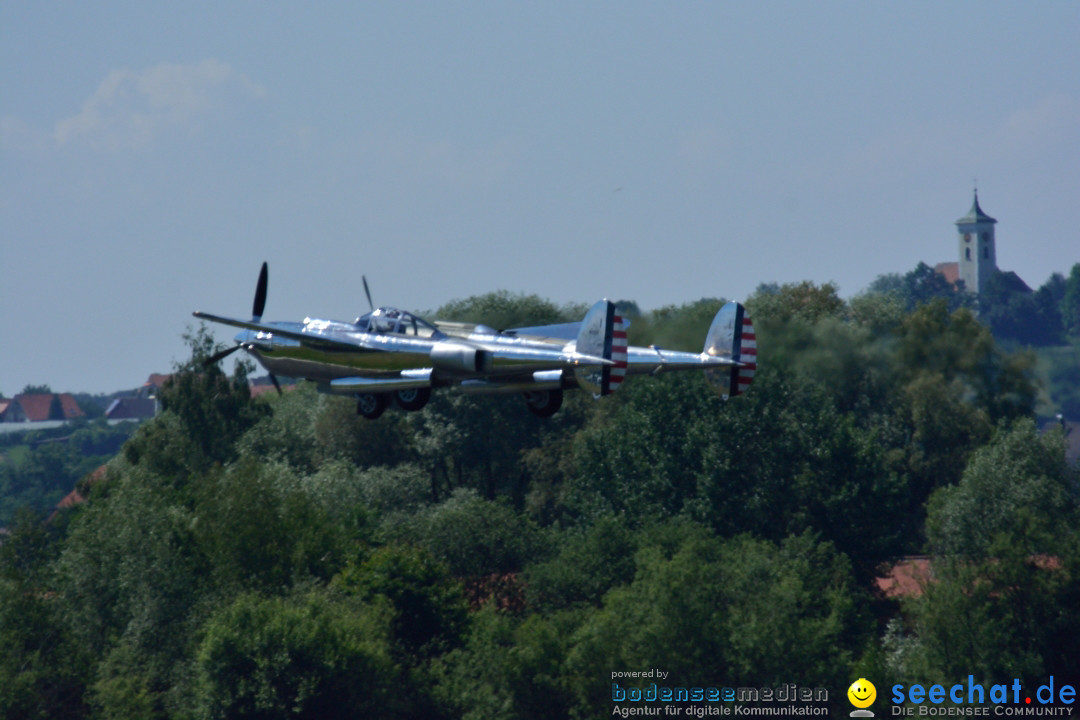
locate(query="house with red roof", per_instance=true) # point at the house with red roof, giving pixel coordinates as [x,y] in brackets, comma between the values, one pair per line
[153,384]
[39,407]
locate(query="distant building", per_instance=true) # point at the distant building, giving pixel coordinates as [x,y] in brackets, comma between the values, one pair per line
[40,407]
[977,254]
[153,385]
[77,496]
[909,576]
[143,404]
[132,408]
[977,248]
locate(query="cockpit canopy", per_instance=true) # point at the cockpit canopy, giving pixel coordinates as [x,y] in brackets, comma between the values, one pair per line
[391,320]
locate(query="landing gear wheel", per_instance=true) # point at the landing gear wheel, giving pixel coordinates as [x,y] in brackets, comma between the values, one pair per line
[371,405]
[543,403]
[413,399]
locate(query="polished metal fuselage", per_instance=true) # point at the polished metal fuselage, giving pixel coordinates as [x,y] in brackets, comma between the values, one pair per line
[401,352]
[356,354]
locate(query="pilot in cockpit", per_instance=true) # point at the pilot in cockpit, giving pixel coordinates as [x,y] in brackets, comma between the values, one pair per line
[389,320]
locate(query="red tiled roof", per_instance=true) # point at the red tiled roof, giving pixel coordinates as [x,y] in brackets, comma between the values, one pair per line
[910,575]
[37,407]
[69,407]
[75,497]
[906,578]
[72,499]
[949,270]
[156,380]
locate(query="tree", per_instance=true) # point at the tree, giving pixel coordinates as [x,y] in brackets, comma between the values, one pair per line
[37,390]
[210,410]
[511,668]
[956,347]
[502,309]
[1048,300]
[590,561]
[341,433]
[472,535]
[1070,303]
[308,656]
[260,530]
[879,312]
[428,607]
[681,327]
[922,285]
[953,386]
[1007,615]
[1017,486]
[128,579]
[745,610]
[777,461]
[455,434]
[803,301]
[1006,557]
[42,668]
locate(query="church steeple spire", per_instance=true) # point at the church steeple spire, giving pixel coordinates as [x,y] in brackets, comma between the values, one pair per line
[976,214]
[978,254]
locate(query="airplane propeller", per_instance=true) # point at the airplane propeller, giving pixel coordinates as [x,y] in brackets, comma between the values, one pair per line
[219,356]
[368,293]
[256,316]
[260,295]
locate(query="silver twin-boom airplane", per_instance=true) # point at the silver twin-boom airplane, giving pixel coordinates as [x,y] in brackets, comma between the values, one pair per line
[391,354]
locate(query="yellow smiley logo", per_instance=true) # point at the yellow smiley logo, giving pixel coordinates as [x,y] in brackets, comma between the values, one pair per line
[862,693]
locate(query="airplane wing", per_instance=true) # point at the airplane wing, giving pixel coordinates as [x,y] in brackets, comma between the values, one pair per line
[312,339]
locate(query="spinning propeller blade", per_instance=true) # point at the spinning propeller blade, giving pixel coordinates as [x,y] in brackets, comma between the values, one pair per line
[260,295]
[218,356]
[368,293]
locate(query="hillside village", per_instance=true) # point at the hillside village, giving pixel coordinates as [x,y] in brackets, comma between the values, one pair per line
[48,407]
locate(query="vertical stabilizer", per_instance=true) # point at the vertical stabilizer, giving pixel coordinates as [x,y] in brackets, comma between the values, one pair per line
[603,334]
[732,335]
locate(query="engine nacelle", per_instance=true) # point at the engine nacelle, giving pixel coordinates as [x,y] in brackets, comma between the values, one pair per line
[459,358]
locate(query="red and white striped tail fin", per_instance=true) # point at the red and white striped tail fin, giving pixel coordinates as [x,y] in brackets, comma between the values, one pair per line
[747,355]
[618,352]
[603,334]
[732,335]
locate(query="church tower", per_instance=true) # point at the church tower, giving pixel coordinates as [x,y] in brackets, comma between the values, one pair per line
[978,255]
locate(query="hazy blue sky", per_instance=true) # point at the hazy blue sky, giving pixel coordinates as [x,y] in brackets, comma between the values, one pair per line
[153,154]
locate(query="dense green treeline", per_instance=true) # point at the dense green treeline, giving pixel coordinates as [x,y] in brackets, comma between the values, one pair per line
[284,558]
[39,467]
